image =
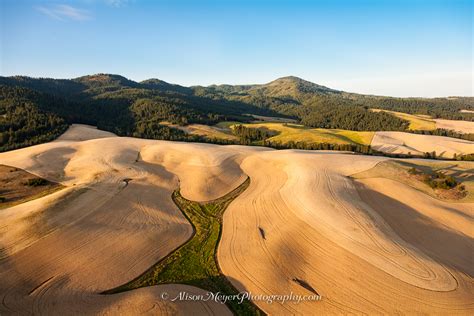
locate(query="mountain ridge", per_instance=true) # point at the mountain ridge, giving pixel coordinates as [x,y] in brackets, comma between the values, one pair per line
[128,108]
[295,83]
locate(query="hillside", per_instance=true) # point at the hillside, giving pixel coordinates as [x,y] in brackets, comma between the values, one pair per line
[26,118]
[128,108]
[152,217]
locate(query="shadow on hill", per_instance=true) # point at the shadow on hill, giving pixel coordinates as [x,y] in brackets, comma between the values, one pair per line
[234,294]
[442,244]
[452,167]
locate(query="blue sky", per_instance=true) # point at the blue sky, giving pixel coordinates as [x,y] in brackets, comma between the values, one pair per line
[399,48]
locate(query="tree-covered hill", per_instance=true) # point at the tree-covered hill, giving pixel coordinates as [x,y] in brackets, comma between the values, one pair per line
[126,107]
[290,86]
[306,100]
[164,86]
[26,118]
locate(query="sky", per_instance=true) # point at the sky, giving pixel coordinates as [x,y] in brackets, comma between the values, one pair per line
[397,47]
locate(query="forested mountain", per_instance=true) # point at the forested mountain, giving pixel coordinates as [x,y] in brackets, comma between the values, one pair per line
[290,86]
[37,109]
[165,86]
[306,101]
[447,108]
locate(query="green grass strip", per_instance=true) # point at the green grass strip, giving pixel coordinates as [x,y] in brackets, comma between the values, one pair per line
[195,262]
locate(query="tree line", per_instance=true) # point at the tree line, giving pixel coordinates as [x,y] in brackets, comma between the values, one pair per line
[446,133]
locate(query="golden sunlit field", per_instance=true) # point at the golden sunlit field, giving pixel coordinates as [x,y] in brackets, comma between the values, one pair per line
[386,142]
[425,122]
[286,132]
[360,231]
[244,158]
[417,122]
[296,133]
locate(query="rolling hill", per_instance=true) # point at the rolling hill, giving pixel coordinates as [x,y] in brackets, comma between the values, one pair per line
[363,233]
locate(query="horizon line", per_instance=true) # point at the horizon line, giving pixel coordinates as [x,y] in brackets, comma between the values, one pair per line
[239,84]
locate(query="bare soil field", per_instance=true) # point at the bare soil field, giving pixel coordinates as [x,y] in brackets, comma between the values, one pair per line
[304,225]
[459,126]
[114,220]
[415,144]
[320,229]
[80,132]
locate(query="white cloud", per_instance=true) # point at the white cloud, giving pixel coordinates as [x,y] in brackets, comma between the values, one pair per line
[64,12]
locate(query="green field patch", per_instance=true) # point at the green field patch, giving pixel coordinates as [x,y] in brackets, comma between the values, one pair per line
[417,122]
[195,262]
[298,133]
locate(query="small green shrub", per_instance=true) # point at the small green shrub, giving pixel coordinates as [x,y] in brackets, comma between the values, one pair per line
[440,181]
[36,182]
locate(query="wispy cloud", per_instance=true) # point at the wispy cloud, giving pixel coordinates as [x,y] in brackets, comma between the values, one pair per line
[116,3]
[63,12]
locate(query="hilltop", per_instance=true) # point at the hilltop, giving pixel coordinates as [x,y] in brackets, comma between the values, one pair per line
[289,86]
